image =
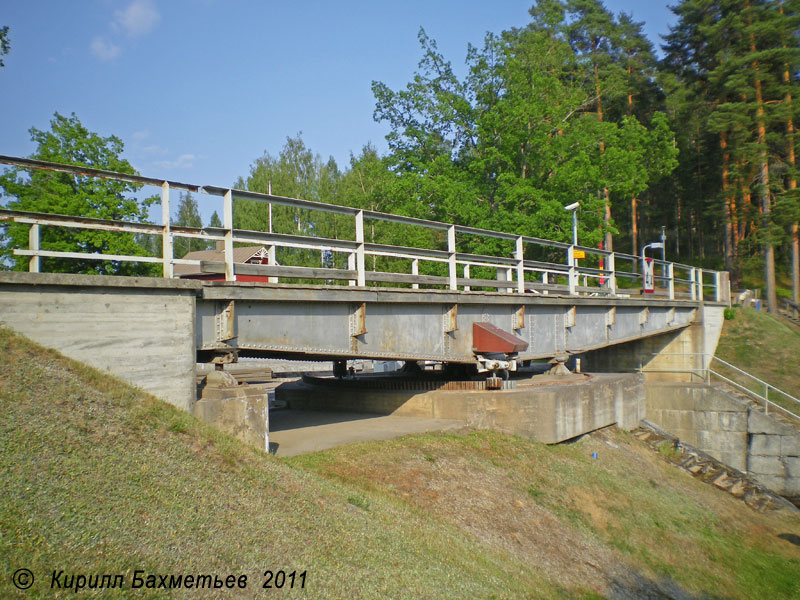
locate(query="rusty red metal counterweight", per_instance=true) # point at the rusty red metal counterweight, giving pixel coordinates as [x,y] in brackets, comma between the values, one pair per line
[488,338]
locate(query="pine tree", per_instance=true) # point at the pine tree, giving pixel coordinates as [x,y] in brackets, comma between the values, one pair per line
[5,44]
[187,215]
[639,63]
[790,42]
[592,33]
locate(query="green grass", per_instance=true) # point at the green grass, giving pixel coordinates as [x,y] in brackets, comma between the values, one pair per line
[99,477]
[763,346]
[642,511]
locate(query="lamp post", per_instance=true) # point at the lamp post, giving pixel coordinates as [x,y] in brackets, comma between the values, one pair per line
[573,276]
[574,208]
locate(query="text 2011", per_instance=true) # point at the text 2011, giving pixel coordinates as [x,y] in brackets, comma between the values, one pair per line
[281,579]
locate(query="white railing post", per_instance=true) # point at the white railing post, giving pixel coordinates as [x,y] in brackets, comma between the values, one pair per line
[519,254]
[717,287]
[466,276]
[545,281]
[271,249]
[35,262]
[415,271]
[451,256]
[166,235]
[671,281]
[360,272]
[351,266]
[700,284]
[227,223]
[271,261]
[612,278]
[573,276]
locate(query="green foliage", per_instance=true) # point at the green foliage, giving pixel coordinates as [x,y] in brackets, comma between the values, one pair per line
[5,44]
[731,76]
[69,142]
[295,173]
[299,173]
[504,148]
[729,314]
[359,501]
[511,144]
[188,215]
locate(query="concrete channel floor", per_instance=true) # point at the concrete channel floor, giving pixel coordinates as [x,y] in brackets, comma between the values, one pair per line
[293,432]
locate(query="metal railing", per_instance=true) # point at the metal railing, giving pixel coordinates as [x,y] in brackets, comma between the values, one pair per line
[760,384]
[792,309]
[757,389]
[514,273]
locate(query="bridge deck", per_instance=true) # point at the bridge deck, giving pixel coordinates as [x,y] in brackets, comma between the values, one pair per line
[326,322]
[554,307]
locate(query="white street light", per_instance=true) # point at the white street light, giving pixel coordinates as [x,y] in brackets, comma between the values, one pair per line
[574,208]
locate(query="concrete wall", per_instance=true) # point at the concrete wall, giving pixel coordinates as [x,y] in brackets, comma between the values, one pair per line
[242,411]
[548,413]
[730,431]
[139,329]
[774,454]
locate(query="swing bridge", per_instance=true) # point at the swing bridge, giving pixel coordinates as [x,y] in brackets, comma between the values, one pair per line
[152,330]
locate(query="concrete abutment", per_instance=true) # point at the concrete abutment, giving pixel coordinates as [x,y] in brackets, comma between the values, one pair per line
[141,330]
[729,430]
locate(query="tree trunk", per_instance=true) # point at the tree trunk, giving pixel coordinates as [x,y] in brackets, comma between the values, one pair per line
[728,234]
[634,201]
[678,227]
[795,241]
[766,208]
[607,241]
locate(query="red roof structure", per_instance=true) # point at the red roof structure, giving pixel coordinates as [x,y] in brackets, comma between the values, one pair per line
[243,255]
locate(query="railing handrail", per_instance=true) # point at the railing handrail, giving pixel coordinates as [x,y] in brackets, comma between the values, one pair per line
[767,401]
[789,303]
[708,371]
[512,270]
[751,376]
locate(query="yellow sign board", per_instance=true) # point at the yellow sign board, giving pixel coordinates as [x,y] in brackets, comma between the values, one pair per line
[579,253]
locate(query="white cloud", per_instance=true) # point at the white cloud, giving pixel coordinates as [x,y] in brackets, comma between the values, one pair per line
[154,150]
[103,49]
[184,161]
[141,135]
[139,18]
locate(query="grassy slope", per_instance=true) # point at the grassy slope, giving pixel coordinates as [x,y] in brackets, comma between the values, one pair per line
[627,522]
[763,346]
[101,478]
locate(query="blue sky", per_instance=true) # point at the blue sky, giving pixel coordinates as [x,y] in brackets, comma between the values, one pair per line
[198,89]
